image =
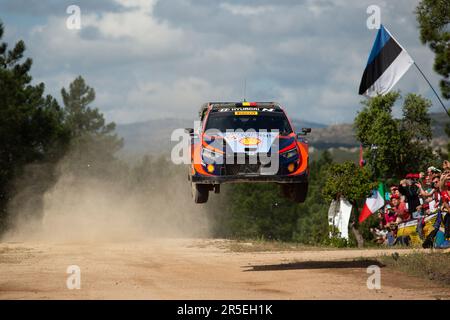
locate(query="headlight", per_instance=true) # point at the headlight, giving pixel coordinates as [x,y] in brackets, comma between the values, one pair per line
[210,156]
[290,153]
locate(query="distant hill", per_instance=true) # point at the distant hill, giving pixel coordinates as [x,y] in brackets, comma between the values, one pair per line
[153,136]
[342,135]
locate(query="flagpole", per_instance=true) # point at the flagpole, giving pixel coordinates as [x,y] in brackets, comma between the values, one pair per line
[423,75]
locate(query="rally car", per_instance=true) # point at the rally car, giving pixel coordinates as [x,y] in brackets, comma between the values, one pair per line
[247,142]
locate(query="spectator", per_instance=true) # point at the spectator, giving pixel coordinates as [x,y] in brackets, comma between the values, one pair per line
[424,210]
[394,191]
[400,210]
[445,198]
[431,195]
[417,213]
[417,196]
[410,190]
[446,166]
[380,235]
[390,216]
[433,172]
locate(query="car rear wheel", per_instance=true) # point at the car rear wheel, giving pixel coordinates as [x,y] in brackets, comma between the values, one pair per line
[200,192]
[286,190]
[299,192]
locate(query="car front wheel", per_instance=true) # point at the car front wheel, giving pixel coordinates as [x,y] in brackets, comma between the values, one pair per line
[200,192]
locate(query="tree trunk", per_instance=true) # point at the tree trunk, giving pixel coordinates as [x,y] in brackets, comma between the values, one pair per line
[359,238]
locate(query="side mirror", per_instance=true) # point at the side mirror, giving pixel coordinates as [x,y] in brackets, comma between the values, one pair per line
[304,132]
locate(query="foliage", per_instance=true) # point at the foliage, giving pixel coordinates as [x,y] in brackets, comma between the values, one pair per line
[93,141]
[447,131]
[347,180]
[35,133]
[31,126]
[433,17]
[351,182]
[335,240]
[401,145]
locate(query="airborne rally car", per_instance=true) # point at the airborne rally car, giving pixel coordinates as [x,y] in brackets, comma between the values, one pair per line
[247,142]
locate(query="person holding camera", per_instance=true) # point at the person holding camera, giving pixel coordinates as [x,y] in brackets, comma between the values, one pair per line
[410,189]
[432,194]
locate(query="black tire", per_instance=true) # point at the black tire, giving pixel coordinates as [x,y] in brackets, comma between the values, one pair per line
[299,192]
[286,190]
[200,192]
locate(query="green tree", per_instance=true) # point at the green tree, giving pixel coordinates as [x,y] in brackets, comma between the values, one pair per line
[395,147]
[256,211]
[31,124]
[433,17]
[447,131]
[93,141]
[351,182]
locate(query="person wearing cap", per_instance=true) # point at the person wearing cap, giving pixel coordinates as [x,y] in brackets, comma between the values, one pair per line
[394,190]
[433,170]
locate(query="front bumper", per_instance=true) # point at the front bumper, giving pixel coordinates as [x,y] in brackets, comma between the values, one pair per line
[301,178]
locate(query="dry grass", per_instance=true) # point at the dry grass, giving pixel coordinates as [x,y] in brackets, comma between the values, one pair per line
[267,246]
[432,266]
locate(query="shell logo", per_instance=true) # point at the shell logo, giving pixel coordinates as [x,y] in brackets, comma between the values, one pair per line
[249,141]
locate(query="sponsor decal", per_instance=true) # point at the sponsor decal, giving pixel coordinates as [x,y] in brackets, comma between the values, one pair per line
[249,141]
[246,113]
[247,109]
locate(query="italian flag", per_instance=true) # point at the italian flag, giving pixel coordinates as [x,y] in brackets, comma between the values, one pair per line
[375,202]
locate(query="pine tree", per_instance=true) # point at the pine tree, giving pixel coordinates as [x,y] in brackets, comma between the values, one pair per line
[434,18]
[93,141]
[31,124]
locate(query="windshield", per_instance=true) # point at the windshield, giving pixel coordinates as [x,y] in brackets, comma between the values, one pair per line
[259,121]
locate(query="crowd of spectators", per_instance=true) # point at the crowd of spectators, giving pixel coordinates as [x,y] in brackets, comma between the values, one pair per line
[414,199]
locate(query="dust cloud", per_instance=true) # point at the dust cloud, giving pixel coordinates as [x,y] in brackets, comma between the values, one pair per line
[88,208]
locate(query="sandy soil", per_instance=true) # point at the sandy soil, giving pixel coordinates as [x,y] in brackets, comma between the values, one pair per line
[197,269]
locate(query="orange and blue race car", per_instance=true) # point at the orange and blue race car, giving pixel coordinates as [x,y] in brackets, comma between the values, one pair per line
[247,142]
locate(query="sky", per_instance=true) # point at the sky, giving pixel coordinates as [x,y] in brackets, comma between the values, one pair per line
[150,59]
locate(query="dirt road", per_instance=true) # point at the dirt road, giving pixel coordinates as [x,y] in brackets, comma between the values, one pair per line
[196,269]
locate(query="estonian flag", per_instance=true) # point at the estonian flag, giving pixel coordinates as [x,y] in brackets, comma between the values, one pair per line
[387,63]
